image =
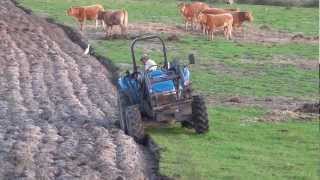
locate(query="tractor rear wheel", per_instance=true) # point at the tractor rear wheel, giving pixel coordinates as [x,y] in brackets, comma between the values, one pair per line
[123,102]
[199,115]
[134,123]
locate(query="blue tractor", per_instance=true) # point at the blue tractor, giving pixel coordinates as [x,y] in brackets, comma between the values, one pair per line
[161,95]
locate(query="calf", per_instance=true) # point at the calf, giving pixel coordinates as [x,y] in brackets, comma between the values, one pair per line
[191,11]
[212,22]
[232,9]
[215,11]
[240,17]
[83,13]
[212,11]
[112,18]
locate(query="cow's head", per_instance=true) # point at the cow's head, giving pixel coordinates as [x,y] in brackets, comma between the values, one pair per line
[100,15]
[202,18]
[182,7]
[248,16]
[72,11]
[69,11]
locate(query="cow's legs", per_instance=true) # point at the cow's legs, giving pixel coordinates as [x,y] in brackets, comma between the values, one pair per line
[196,24]
[212,36]
[192,24]
[123,30]
[225,32]
[192,28]
[109,31]
[230,32]
[204,29]
[97,23]
[103,24]
[106,30]
[81,25]
[186,25]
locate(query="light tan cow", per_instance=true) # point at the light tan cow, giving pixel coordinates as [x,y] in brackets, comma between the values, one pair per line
[191,11]
[113,18]
[83,13]
[212,22]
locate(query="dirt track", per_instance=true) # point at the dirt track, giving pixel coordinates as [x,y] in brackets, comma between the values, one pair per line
[57,108]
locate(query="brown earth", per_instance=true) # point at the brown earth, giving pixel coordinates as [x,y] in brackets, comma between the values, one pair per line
[278,108]
[248,33]
[272,103]
[58,108]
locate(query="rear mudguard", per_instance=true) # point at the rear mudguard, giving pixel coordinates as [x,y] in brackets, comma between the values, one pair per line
[130,87]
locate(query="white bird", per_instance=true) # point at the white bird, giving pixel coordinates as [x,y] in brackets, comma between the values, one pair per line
[87,50]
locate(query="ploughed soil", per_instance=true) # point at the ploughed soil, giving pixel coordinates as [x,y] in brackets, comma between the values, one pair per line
[58,108]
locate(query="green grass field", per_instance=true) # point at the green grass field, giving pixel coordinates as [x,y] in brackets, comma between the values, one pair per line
[295,19]
[237,146]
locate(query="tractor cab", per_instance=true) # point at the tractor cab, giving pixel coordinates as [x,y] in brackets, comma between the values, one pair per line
[162,94]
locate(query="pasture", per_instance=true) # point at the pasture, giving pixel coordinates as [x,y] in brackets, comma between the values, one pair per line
[268,71]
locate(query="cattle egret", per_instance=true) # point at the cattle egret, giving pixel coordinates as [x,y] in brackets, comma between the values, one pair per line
[86,52]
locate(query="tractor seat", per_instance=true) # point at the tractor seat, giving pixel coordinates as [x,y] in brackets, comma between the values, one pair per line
[160,82]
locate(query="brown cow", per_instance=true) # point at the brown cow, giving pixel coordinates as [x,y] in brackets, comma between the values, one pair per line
[231,9]
[191,11]
[240,17]
[215,11]
[83,13]
[112,18]
[202,20]
[212,22]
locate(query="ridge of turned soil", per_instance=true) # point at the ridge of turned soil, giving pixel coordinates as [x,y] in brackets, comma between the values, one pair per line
[58,108]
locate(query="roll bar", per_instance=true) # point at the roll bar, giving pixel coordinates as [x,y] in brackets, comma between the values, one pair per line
[143,38]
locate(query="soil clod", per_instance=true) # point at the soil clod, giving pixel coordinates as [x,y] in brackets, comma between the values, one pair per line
[173,37]
[309,108]
[235,100]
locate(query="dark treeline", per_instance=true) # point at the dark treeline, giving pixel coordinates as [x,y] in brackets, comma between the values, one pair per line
[306,3]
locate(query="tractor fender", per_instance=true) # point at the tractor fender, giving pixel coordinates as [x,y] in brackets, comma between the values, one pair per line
[129,87]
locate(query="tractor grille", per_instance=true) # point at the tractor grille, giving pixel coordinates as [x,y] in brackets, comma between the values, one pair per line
[163,99]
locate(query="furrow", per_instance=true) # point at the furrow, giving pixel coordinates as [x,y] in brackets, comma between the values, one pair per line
[79,87]
[70,103]
[133,167]
[23,152]
[25,79]
[6,141]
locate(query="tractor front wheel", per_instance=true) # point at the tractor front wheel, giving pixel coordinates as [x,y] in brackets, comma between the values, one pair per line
[199,115]
[134,123]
